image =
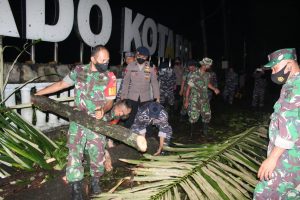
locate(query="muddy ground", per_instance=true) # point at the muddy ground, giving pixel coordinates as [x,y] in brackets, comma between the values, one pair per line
[226,120]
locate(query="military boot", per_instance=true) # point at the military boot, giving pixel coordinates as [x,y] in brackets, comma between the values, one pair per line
[205,128]
[76,193]
[192,129]
[95,188]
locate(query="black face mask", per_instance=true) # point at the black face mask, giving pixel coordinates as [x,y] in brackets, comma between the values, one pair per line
[280,77]
[140,60]
[101,67]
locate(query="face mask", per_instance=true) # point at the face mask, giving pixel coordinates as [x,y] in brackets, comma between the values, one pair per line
[101,67]
[140,60]
[280,77]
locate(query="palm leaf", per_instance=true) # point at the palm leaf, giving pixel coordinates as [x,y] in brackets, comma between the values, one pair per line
[22,146]
[219,171]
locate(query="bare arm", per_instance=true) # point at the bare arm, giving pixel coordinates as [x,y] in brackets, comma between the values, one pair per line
[181,89]
[216,90]
[267,167]
[161,145]
[187,94]
[108,105]
[53,88]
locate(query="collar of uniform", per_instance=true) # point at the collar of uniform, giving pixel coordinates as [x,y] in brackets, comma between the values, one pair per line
[293,77]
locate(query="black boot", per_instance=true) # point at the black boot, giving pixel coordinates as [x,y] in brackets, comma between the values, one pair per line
[205,128]
[191,129]
[95,188]
[76,190]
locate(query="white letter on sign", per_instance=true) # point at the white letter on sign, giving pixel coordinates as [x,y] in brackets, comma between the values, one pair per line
[170,45]
[35,21]
[162,31]
[131,30]
[7,22]
[149,25]
[83,20]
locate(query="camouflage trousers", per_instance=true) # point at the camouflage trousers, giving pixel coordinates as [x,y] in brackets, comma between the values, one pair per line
[81,139]
[258,96]
[228,94]
[199,107]
[285,183]
[167,97]
[210,94]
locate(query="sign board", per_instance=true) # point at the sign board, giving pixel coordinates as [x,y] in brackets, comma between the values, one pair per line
[137,30]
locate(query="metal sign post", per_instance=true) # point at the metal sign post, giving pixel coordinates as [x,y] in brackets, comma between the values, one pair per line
[1,67]
[33,52]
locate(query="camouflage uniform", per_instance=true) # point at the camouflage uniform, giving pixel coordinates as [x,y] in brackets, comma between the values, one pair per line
[259,89]
[167,80]
[155,114]
[231,84]
[198,100]
[185,77]
[284,132]
[214,82]
[92,90]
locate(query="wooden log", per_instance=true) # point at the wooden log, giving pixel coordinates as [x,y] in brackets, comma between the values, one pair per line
[114,131]
[122,151]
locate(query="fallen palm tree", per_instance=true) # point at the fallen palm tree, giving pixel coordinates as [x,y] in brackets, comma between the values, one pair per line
[213,171]
[114,131]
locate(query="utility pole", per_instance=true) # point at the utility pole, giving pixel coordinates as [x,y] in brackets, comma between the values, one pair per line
[1,67]
[226,38]
[203,28]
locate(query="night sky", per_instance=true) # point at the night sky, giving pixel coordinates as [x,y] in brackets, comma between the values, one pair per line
[260,26]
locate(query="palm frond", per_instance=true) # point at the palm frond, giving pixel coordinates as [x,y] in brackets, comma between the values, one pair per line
[213,171]
[22,146]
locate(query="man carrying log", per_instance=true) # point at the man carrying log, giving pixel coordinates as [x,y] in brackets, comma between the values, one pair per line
[95,90]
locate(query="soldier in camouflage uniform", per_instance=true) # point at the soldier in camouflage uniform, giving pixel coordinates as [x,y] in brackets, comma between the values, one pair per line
[259,88]
[95,90]
[197,100]
[153,113]
[280,173]
[191,67]
[231,84]
[167,84]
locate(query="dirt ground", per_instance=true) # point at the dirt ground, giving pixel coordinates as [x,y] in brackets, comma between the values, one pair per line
[226,120]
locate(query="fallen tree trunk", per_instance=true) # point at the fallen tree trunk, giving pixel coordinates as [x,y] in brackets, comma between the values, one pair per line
[122,151]
[114,131]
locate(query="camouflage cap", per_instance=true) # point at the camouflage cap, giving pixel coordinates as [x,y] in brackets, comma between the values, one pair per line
[206,61]
[279,55]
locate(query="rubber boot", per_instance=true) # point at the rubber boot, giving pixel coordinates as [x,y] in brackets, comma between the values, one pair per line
[76,193]
[205,128]
[95,188]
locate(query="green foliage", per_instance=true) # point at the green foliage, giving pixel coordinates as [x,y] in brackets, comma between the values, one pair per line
[213,171]
[22,145]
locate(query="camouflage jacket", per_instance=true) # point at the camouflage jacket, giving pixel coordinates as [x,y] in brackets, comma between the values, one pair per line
[92,89]
[167,79]
[232,80]
[284,129]
[199,84]
[155,114]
